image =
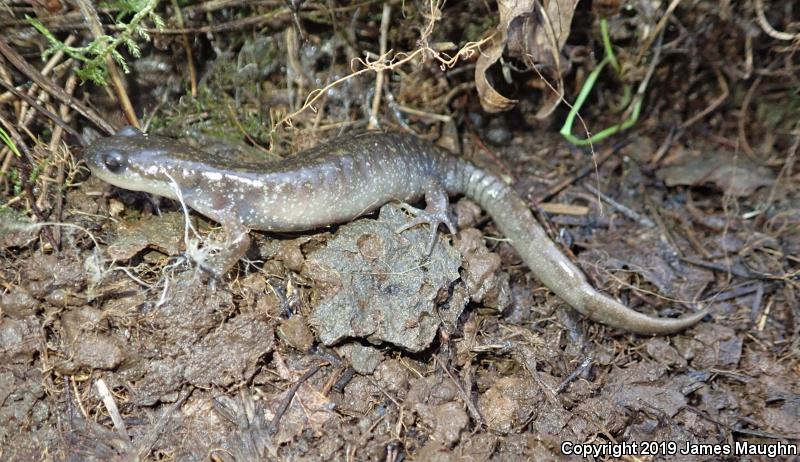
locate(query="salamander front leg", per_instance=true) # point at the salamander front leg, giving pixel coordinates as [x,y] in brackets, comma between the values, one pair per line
[436,212]
[210,200]
[236,244]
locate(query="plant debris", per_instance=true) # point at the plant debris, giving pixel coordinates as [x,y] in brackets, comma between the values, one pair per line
[734,175]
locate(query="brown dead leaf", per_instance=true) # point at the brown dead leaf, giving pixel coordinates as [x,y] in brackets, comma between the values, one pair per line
[491,99]
[736,176]
[531,32]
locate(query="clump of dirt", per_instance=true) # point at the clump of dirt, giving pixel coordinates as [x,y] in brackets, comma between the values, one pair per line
[381,288]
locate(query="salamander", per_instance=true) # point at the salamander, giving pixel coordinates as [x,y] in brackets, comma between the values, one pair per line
[340,180]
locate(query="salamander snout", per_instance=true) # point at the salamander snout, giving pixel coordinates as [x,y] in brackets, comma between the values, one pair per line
[132,161]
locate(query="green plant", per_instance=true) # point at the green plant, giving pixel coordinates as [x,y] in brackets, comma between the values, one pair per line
[12,174]
[94,55]
[609,58]
[9,142]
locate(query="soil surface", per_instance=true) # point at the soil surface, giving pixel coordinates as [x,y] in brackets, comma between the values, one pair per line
[355,343]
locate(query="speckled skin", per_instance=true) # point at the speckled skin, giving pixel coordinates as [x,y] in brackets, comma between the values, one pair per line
[343,179]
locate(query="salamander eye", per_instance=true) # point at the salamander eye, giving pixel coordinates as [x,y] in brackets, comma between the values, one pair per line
[114,161]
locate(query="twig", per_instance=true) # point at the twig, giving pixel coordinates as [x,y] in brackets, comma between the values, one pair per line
[46,69]
[474,412]
[55,142]
[387,63]
[587,361]
[51,88]
[557,208]
[662,23]
[90,15]
[762,320]
[232,113]
[563,184]
[187,47]
[761,18]
[426,115]
[736,270]
[784,176]
[748,96]
[724,92]
[238,24]
[525,355]
[145,443]
[736,292]
[25,166]
[71,382]
[743,431]
[379,78]
[757,299]
[489,151]
[272,428]
[662,150]
[623,209]
[56,119]
[113,410]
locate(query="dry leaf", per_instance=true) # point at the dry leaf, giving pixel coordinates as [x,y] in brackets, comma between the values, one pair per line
[734,176]
[534,34]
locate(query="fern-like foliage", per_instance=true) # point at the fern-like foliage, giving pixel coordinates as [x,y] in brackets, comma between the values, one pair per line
[93,56]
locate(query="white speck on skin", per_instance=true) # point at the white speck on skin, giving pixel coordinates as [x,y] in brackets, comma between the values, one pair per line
[250,182]
[570,271]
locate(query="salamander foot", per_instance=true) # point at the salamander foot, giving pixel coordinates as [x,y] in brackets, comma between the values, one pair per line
[434,215]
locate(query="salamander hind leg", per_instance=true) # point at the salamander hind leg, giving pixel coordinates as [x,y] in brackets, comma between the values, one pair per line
[436,212]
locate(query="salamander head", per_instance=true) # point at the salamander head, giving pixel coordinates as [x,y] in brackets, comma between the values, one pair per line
[133,160]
